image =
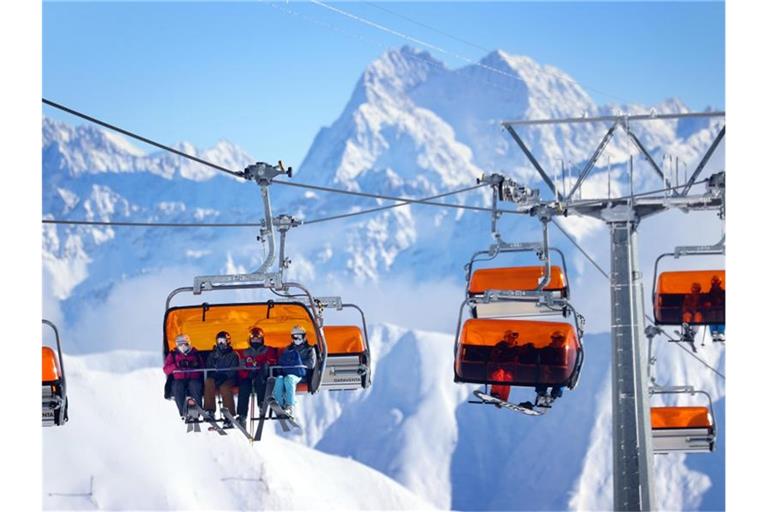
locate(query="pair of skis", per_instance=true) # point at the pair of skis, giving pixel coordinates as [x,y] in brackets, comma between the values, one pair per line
[526,408]
[194,411]
[193,424]
[283,417]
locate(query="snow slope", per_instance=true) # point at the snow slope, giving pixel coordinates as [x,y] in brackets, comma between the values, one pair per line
[413,425]
[124,435]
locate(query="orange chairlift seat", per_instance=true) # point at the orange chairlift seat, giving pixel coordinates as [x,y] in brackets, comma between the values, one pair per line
[518,353]
[682,429]
[54,393]
[348,362]
[694,297]
[514,279]
[202,322]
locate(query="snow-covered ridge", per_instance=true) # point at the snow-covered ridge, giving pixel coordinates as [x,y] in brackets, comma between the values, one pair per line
[413,425]
[87,149]
[131,442]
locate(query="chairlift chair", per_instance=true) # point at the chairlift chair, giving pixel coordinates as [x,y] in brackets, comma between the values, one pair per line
[504,342]
[346,367]
[54,399]
[689,298]
[683,429]
[276,318]
[504,292]
[348,364]
[348,361]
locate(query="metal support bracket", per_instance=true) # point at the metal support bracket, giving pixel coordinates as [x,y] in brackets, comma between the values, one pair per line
[700,250]
[283,223]
[671,389]
[619,213]
[263,173]
[508,189]
[333,302]
[270,279]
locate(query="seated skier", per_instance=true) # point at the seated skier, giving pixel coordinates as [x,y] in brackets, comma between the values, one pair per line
[717,305]
[185,383]
[297,362]
[259,357]
[504,353]
[551,354]
[221,379]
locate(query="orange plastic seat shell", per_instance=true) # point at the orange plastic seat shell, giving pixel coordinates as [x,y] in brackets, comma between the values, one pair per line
[485,334]
[675,302]
[515,278]
[487,331]
[237,319]
[51,370]
[681,281]
[344,339]
[680,417]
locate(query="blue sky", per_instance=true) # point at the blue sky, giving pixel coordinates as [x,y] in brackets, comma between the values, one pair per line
[269,75]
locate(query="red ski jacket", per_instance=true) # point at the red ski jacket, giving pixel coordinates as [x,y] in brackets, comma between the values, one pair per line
[256,358]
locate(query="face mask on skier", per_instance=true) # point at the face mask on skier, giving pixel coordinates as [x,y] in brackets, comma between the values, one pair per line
[182,343]
[298,334]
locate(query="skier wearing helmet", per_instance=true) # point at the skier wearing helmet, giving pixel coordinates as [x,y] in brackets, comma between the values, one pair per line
[297,362]
[259,357]
[184,383]
[222,379]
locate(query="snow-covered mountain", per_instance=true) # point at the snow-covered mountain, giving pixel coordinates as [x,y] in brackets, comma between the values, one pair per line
[411,127]
[134,449]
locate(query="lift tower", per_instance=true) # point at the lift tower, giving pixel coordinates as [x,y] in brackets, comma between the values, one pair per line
[633,483]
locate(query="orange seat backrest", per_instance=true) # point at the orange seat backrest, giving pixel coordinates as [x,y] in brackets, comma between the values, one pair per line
[51,370]
[680,417]
[486,331]
[515,278]
[344,339]
[237,319]
[680,282]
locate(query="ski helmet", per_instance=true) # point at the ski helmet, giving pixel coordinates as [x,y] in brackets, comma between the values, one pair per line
[256,335]
[223,339]
[298,334]
[183,343]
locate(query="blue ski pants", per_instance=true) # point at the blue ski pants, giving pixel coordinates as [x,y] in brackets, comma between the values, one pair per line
[285,390]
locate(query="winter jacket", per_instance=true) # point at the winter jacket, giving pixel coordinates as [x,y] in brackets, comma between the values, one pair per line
[222,359]
[308,355]
[291,357]
[303,355]
[175,360]
[256,357]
